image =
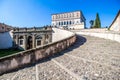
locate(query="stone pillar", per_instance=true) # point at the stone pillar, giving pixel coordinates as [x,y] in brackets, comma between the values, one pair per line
[25,42]
[33,41]
[17,42]
[43,40]
[50,37]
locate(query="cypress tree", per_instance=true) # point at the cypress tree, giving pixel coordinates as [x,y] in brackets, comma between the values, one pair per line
[97,21]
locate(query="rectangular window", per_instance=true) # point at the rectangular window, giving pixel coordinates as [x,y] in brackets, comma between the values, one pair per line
[21,42]
[38,42]
[2,28]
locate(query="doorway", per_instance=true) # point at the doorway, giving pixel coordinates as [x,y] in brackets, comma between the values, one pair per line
[29,42]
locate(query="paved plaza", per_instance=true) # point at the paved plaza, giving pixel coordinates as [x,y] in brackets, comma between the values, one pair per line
[90,58]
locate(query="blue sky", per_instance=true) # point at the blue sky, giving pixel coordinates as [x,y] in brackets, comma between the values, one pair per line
[29,13]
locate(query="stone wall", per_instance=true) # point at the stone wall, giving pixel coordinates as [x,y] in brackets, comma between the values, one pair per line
[101,33]
[59,34]
[31,56]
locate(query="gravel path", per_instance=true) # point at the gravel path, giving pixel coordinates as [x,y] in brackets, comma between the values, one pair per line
[90,58]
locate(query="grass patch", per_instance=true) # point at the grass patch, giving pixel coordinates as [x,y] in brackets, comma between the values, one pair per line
[5,52]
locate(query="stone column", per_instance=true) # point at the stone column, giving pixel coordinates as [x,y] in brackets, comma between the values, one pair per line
[17,42]
[33,41]
[43,40]
[25,42]
[50,37]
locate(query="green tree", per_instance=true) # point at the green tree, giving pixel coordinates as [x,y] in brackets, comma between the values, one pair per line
[97,22]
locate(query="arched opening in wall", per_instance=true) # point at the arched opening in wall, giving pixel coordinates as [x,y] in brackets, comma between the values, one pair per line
[29,42]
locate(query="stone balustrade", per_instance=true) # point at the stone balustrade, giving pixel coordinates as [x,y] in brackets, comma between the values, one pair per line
[24,58]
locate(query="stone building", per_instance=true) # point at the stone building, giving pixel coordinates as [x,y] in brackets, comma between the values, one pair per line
[115,26]
[27,38]
[5,27]
[69,20]
[5,36]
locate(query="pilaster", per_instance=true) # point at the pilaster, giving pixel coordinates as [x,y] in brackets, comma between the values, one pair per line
[33,41]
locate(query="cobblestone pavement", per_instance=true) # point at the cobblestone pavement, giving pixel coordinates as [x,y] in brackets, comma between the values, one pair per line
[90,58]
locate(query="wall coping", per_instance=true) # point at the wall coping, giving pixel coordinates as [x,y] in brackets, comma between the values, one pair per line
[111,35]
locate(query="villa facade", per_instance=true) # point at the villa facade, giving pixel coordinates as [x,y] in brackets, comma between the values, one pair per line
[5,28]
[69,20]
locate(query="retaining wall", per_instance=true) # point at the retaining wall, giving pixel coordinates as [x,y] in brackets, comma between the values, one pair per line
[101,33]
[31,56]
[59,34]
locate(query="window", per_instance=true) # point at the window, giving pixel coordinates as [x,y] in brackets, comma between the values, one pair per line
[38,42]
[3,28]
[21,41]
[67,15]
[59,23]
[61,16]
[77,22]
[64,16]
[56,16]
[64,23]
[67,23]
[70,14]
[70,22]
[77,14]
[53,17]
[47,36]
[53,24]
